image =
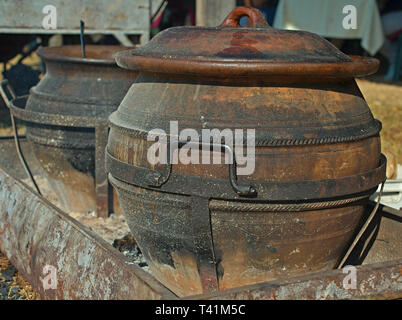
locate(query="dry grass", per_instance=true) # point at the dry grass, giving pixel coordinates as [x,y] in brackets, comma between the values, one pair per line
[5,129]
[8,131]
[32,60]
[4,262]
[23,288]
[385,101]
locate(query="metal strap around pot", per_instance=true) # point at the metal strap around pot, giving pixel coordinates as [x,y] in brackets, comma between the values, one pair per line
[265,190]
[204,247]
[341,136]
[51,119]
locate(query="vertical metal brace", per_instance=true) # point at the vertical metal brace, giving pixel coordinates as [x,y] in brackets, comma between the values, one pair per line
[201,220]
[363,229]
[104,192]
[203,243]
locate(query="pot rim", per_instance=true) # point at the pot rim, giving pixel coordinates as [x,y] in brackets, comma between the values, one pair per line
[358,67]
[96,54]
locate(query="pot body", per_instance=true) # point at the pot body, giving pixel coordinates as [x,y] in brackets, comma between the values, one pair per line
[90,88]
[311,131]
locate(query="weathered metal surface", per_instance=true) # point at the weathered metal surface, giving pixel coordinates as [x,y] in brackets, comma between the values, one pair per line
[317,153]
[377,281]
[35,234]
[66,117]
[101,17]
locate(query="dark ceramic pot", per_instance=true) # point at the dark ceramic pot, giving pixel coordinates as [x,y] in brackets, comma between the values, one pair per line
[62,112]
[203,227]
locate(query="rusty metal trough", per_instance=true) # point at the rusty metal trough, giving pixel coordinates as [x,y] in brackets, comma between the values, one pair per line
[35,233]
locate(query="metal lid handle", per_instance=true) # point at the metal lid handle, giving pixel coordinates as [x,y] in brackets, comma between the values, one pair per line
[254,16]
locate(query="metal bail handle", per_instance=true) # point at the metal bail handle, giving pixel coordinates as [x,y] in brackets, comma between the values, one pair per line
[254,17]
[156,179]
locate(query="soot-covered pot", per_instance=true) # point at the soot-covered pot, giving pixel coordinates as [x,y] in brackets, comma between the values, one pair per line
[62,111]
[205,227]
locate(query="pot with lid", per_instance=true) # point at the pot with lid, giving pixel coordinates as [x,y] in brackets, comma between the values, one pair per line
[205,227]
[74,97]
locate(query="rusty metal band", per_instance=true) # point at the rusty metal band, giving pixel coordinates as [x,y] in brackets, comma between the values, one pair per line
[365,132]
[233,206]
[227,206]
[52,119]
[266,190]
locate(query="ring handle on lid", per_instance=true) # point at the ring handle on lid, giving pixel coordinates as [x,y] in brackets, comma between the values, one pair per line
[254,17]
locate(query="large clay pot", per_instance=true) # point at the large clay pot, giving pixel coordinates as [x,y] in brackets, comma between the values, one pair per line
[201,227]
[62,112]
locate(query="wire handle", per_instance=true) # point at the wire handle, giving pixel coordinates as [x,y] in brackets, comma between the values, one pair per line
[4,87]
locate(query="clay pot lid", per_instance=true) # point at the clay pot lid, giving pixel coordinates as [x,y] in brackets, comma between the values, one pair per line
[255,50]
[94,54]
